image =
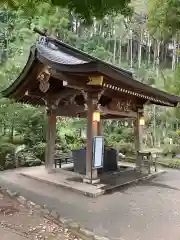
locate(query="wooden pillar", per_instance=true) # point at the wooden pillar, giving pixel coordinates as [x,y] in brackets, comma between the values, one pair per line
[138,131]
[89,138]
[99,128]
[95,128]
[51,138]
[92,130]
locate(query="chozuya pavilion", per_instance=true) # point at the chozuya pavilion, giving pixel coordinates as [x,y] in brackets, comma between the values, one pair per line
[69,82]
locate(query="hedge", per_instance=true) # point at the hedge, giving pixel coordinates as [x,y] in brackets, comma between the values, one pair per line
[169,163]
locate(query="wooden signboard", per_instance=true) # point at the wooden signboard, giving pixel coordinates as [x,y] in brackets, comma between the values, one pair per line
[120,105]
[95,81]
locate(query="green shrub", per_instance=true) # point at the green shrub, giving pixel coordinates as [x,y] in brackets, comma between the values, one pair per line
[170,149]
[26,158]
[4,139]
[129,159]
[7,155]
[17,139]
[39,150]
[62,146]
[32,162]
[171,163]
[126,148]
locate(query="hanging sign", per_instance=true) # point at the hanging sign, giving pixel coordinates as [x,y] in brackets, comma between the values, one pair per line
[95,80]
[98,152]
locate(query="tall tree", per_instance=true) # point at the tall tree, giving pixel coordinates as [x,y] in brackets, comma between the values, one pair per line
[86,9]
[164,17]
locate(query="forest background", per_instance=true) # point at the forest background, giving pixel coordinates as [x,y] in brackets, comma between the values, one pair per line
[143,39]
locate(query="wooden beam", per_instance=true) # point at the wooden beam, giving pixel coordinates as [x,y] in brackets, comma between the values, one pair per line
[65,93]
[115,117]
[46,96]
[70,109]
[128,114]
[71,83]
[73,110]
[74,83]
[120,95]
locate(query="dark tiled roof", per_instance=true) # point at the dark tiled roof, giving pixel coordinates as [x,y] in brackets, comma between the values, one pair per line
[53,54]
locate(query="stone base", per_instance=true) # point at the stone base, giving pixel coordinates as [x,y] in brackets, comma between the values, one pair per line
[50,170]
[75,182]
[93,181]
[137,168]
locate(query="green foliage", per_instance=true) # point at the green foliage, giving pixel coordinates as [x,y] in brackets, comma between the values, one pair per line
[17,140]
[69,138]
[164,17]
[118,132]
[126,148]
[129,159]
[108,39]
[26,158]
[7,156]
[170,163]
[84,9]
[32,126]
[171,149]
[176,84]
[39,150]
[165,162]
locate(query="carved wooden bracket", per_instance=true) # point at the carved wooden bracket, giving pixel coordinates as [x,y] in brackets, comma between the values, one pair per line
[94,97]
[51,105]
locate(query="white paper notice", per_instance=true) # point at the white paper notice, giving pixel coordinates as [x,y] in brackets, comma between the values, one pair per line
[98,151]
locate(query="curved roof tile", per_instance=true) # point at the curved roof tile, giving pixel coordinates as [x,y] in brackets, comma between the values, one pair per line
[55,55]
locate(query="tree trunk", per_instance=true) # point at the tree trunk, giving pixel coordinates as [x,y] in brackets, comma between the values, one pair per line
[4,129]
[177,51]
[114,51]
[154,55]
[157,61]
[154,125]
[127,52]
[174,55]
[120,51]
[12,132]
[131,49]
[149,50]
[140,50]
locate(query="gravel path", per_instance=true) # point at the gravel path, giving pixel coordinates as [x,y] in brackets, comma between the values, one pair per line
[19,223]
[148,211]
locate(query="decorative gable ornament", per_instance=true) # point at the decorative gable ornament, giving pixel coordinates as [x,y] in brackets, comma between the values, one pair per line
[43,79]
[44,86]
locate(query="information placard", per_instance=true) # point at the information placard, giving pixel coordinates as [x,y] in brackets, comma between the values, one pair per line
[98,152]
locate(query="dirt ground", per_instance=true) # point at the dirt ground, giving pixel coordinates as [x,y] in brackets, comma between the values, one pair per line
[26,223]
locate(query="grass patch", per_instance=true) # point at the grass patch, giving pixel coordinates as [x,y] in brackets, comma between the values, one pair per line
[169,162]
[17,139]
[129,159]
